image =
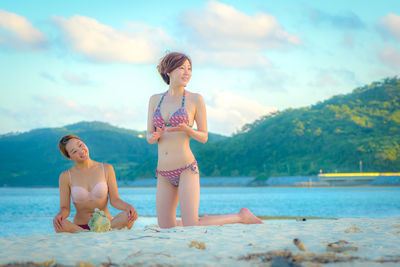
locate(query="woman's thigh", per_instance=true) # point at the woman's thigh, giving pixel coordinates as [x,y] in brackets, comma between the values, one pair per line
[189,197]
[166,202]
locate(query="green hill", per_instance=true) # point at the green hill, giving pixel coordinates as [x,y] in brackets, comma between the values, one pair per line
[334,135]
[33,158]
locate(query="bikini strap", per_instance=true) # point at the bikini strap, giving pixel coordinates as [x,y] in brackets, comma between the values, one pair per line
[70,179]
[183,98]
[161,100]
[104,173]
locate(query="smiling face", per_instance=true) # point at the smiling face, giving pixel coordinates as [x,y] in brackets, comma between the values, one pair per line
[181,75]
[77,150]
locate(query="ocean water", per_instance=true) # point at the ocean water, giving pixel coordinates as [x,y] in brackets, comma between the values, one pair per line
[26,211]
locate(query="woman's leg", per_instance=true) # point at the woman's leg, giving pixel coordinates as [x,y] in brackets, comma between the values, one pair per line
[189,198]
[120,221]
[69,227]
[166,203]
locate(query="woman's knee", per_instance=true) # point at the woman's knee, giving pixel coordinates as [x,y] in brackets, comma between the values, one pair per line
[192,221]
[190,224]
[121,220]
[163,223]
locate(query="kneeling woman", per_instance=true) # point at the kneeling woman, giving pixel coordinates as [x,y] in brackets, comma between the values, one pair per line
[89,184]
[170,119]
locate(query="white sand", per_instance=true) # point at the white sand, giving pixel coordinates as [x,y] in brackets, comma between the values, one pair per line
[375,239]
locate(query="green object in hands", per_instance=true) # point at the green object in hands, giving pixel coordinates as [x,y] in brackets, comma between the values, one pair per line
[99,222]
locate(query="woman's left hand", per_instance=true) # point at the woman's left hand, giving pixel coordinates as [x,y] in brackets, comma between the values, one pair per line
[182,127]
[132,213]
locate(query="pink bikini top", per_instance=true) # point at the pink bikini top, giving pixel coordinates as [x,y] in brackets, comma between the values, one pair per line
[179,116]
[80,194]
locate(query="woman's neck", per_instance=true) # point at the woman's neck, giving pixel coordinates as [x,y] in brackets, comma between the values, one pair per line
[176,90]
[85,164]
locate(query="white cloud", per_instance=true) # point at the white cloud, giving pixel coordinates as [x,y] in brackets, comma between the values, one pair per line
[223,27]
[228,112]
[102,43]
[222,36]
[390,56]
[67,108]
[228,59]
[46,111]
[16,31]
[390,25]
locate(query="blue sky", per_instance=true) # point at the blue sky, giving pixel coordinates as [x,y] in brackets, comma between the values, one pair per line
[64,62]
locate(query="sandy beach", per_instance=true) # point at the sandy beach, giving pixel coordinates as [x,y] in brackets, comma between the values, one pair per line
[342,242]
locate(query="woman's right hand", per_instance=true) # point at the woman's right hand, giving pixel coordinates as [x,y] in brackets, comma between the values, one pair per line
[58,222]
[156,135]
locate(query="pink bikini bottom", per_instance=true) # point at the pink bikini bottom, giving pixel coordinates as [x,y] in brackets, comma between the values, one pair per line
[174,175]
[84,226]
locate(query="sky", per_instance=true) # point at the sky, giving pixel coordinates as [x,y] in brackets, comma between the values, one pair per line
[68,61]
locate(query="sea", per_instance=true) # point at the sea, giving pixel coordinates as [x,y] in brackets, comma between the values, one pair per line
[28,211]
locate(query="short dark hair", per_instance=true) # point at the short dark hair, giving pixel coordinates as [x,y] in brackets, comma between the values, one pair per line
[169,62]
[63,143]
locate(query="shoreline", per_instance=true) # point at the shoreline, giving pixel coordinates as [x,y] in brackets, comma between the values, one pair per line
[227,186]
[341,242]
[250,181]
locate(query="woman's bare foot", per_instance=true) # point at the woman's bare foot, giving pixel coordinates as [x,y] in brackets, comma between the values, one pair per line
[248,217]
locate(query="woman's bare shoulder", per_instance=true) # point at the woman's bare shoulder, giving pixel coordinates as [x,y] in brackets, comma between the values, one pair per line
[108,167]
[196,97]
[155,97]
[64,176]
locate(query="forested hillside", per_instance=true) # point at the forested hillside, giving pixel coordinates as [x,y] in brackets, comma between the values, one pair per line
[334,135]
[345,133]
[33,158]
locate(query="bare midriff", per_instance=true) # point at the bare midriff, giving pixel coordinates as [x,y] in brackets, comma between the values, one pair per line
[174,151]
[84,211]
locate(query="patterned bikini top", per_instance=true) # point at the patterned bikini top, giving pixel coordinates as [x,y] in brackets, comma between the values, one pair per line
[179,116]
[80,194]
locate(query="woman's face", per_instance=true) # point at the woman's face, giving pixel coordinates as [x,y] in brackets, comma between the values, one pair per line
[77,150]
[181,75]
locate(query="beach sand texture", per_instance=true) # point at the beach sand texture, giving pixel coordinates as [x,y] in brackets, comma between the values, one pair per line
[342,242]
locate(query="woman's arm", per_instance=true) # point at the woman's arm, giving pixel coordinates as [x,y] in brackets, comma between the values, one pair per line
[152,134]
[65,202]
[200,117]
[115,201]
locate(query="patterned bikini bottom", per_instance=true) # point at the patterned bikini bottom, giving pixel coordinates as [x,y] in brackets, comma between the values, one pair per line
[174,175]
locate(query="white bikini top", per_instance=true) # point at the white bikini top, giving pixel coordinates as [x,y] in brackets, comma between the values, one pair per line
[80,194]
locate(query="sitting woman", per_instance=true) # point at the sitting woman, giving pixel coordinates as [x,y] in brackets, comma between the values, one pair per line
[89,184]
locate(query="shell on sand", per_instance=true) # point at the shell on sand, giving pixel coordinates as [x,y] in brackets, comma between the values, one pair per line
[99,222]
[340,246]
[197,244]
[353,229]
[299,244]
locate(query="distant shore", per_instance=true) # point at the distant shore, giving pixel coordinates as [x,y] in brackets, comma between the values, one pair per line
[273,181]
